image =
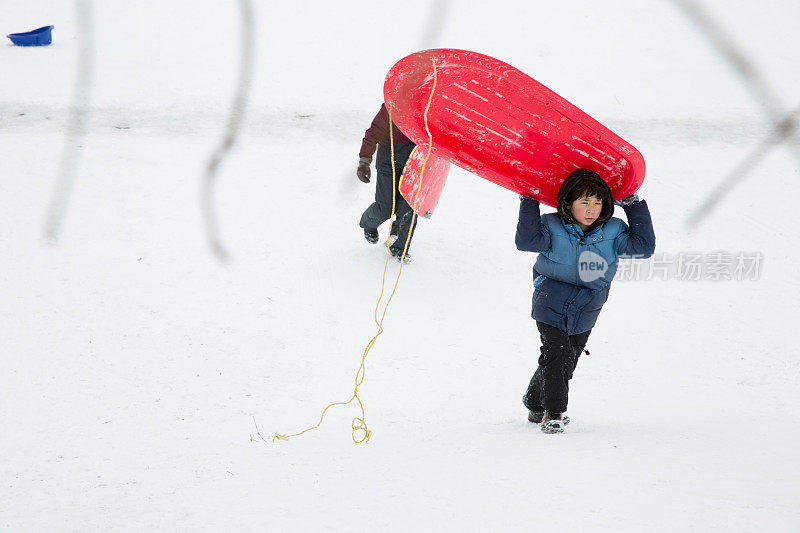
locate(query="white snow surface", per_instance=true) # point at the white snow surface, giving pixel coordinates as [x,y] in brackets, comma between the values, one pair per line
[135,366]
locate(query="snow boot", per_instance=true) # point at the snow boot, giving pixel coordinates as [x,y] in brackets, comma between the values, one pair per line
[397,253]
[535,416]
[371,235]
[552,423]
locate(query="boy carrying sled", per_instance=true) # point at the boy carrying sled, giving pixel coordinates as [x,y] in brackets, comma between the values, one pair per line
[579,248]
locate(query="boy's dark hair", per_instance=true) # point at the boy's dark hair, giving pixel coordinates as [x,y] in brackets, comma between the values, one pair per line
[584,182]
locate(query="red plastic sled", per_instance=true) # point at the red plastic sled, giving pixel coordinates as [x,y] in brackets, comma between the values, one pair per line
[492,119]
[423,187]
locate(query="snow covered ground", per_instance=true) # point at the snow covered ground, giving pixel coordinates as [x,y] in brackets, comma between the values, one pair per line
[135,366]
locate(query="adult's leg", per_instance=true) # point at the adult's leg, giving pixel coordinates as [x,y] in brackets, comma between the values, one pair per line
[381,209]
[403,210]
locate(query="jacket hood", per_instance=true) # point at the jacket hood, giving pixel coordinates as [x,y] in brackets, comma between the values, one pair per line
[575,177]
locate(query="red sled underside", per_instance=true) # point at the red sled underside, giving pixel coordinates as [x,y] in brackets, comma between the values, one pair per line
[495,121]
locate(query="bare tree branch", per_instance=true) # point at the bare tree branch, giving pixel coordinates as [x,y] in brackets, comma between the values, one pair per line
[76,123]
[235,120]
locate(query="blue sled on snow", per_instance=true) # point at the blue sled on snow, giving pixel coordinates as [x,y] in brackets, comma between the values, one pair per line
[38,37]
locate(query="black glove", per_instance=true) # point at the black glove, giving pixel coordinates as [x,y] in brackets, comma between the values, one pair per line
[363,172]
[632,199]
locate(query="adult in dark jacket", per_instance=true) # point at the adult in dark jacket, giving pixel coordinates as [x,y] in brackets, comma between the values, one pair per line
[579,248]
[381,210]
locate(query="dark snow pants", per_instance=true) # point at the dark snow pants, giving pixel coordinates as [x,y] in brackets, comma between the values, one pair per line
[549,386]
[381,210]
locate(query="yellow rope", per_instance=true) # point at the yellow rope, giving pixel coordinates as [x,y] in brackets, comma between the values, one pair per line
[359,423]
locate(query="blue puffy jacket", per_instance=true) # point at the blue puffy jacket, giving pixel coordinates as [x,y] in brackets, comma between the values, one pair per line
[573,272]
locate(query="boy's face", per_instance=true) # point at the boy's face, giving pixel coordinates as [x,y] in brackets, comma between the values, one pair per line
[586,210]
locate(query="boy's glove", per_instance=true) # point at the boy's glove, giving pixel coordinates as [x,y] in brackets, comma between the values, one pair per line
[632,199]
[363,172]
[523,197]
